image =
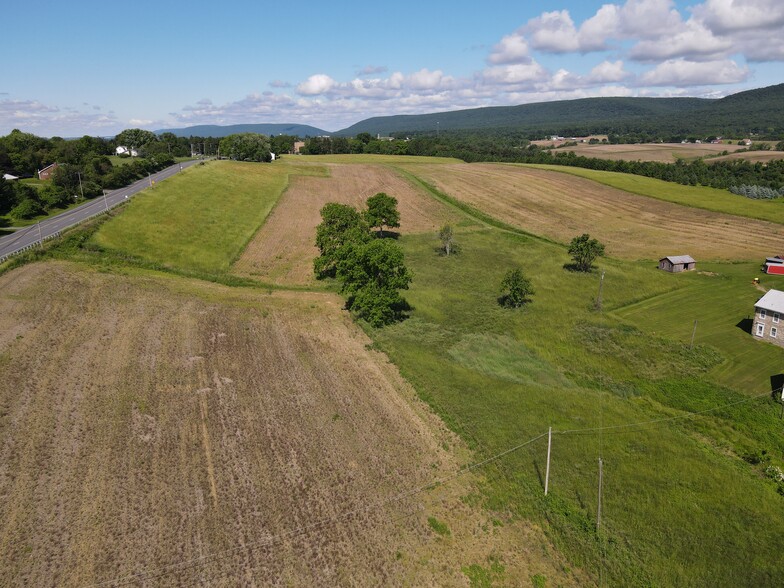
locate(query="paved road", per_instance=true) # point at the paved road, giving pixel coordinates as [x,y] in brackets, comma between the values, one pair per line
[51,227]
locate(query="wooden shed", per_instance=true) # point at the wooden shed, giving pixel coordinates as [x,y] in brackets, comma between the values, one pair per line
[677,263]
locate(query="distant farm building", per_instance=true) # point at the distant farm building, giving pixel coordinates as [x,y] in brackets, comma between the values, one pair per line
[298,145]
[46,173]
[122,150]
[774,265]
[677,263]
[9,177]
[767,317]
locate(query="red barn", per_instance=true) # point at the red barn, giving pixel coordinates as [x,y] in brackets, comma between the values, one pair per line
[46,173]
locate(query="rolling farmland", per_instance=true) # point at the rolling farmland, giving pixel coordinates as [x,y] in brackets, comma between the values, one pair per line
[158,429]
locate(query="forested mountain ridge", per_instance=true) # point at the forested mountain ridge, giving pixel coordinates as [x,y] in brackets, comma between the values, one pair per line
[755,111]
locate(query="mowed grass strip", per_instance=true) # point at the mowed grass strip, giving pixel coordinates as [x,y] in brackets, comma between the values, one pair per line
[721,301]
[199,220]
[694,196]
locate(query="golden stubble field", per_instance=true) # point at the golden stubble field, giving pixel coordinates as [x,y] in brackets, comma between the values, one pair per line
[661,152]
[562,206]
[283,250]
[159,431]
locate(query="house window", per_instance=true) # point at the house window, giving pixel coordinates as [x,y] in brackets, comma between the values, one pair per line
[773,331]
[760,330]
[763,314]
[775,317]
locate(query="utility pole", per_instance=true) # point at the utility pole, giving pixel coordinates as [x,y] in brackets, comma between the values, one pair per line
[80,184]
[599,508]
[692,334]
[599,297]
[40,236]
[105,203]
[547,471]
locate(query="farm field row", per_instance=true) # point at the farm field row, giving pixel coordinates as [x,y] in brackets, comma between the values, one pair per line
[662,152]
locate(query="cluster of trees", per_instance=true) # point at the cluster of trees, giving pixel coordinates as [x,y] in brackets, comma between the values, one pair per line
[371,268]
[84,168]
[362,143]
[757,192]
[246,147]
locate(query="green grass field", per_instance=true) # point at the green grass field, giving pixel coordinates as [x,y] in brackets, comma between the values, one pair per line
[203,221]
[694,196]
[673,490]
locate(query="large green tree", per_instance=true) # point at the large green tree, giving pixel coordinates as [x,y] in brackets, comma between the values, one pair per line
[372,274]
[246,147]
[341,225]
[584,251]
[382,212]
[135,138]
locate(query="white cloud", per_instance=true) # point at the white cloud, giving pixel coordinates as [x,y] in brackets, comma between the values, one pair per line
[511,49]
[370,70]
[35,117]
[316,84]
[725,16]
[553,32]
[680,72]
[526,74]
[608,71]
[690,39]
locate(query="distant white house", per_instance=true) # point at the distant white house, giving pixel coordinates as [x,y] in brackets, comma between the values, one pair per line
[9,177]
[121,150]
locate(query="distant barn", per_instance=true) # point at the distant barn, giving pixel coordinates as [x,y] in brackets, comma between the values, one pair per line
[46,173]
[677,263]
[774,265]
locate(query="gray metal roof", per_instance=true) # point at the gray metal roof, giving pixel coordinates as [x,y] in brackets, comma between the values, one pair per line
[679,259]
[773,301]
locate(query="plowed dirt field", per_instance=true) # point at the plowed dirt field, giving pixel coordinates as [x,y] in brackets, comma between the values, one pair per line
[158,431]
[561,206]
[283,250]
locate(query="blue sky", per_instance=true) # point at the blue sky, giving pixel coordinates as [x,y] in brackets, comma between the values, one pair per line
[96,68]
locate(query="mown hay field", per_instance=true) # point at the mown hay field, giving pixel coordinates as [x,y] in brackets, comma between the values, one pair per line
[562,206]
[662,152]
[283,250]
[160,431]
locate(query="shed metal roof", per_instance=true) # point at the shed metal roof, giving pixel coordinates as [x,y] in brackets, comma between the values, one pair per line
[773,300]
[679,259]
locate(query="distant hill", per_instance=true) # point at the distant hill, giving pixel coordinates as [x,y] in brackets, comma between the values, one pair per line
[751,111]
[263,129]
